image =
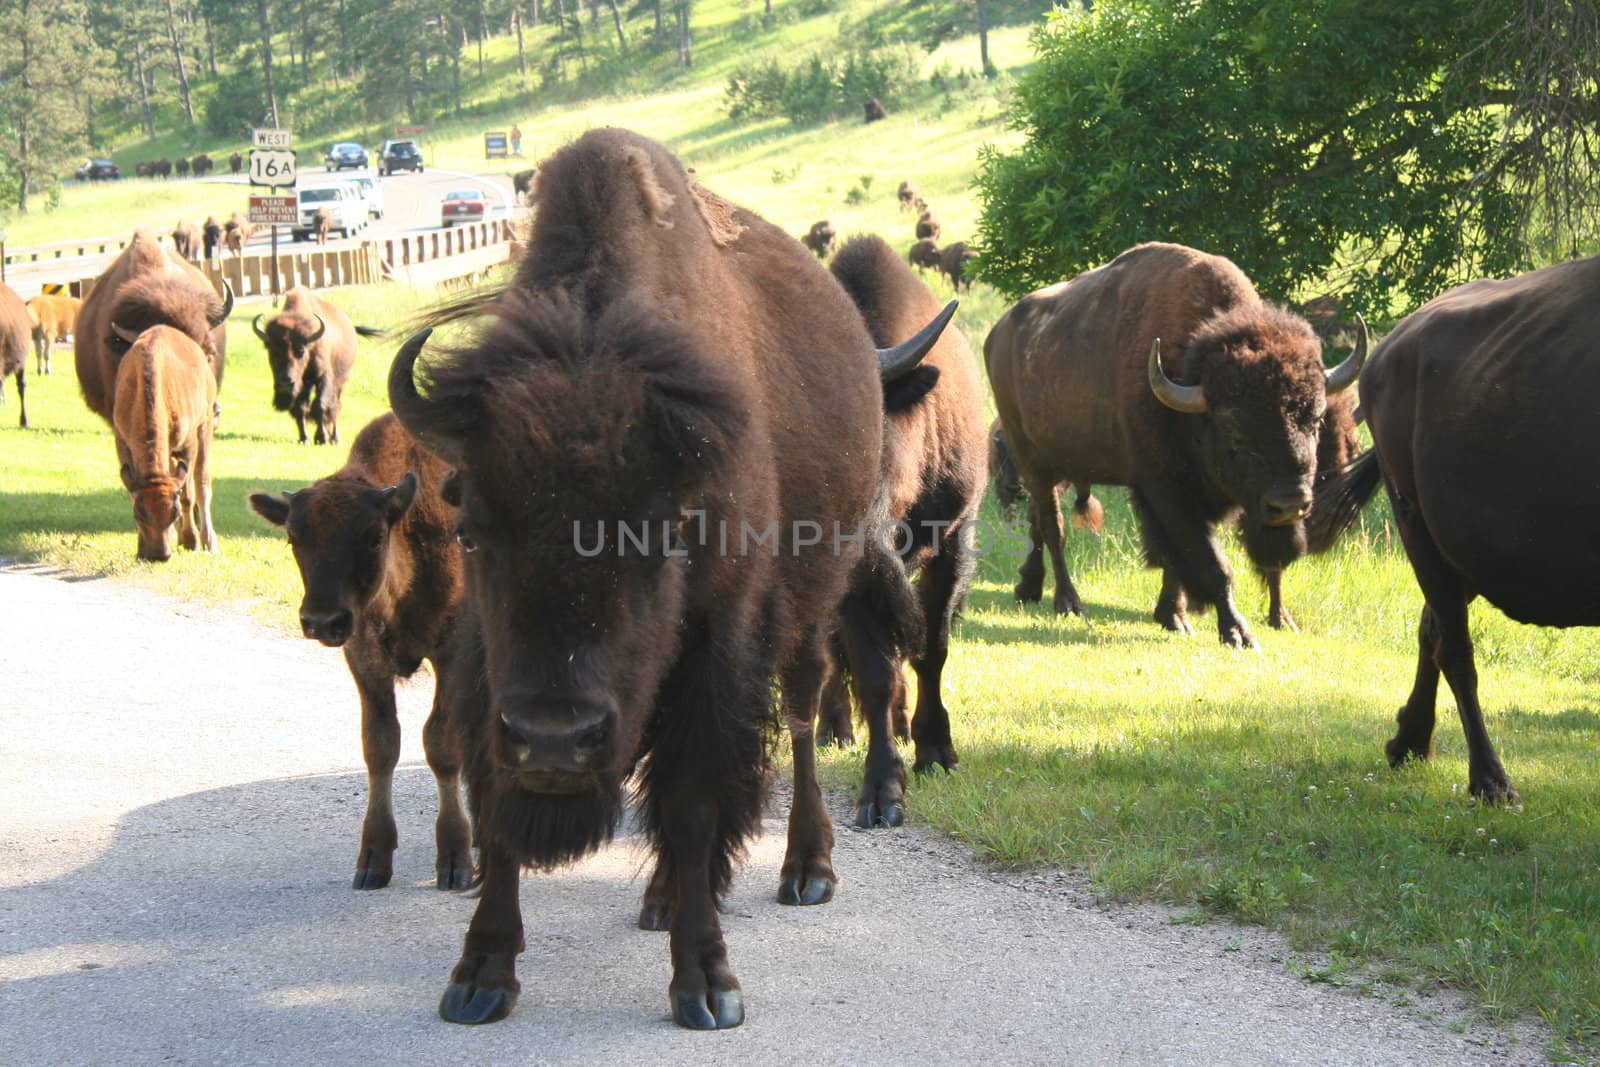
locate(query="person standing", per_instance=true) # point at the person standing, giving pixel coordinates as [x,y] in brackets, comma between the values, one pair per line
[516,139]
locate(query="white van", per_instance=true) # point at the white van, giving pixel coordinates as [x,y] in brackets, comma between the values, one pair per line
[370,187]
[342,199]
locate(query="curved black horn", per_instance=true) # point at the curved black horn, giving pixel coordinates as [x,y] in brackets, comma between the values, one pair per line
[1345,374]
[1189,399]
[903,358]
[127,335]
[255,324]
[227,305]
[409,406]
[322,328]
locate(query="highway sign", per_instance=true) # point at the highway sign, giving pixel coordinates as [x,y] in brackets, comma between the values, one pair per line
[272,166]
[263,137]
[274,210]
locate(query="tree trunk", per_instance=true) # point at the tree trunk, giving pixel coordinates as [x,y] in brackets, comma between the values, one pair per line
[594,15]
[483,31]
[659,41]
[144,88]
[24,144]
[561,21]
[344,39]
[177,57]
[533,12]
[522,54]
[266,62]
[983,36]
[211,47]
[685,46]
[616,17]
[308,44]
[769,9]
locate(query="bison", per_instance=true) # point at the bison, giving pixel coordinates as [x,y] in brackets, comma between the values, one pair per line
[321,223]
[236,233]
[928,225]
[144,286]
[872,110]
[925,254]
[187,239]
[1084,396]
[522,184]
[677,370]
[311,346]
[236,162]
[16,338]
[182,166]
[201,164]
[933,475]
[165,398]
[55,318]
[908,194]
[376,547]
[161,168]
[820,238]
[953,261]
[212,233]
[1493,384]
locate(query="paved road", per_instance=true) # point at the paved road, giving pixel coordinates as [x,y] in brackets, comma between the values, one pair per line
[180,791]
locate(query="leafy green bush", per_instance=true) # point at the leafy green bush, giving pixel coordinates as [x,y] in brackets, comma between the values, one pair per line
[822,85]
[239,102]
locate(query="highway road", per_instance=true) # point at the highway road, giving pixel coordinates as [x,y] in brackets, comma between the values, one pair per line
[411,205]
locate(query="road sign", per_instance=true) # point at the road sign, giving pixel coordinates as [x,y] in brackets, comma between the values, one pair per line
[263,137]
[494,145]
[274,210]
[272,166]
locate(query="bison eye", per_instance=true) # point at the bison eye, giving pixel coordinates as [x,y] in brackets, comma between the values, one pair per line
[465,541]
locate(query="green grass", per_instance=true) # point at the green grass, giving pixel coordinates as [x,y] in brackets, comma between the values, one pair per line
[116,209]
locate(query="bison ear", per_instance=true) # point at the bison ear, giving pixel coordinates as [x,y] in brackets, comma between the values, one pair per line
[398,498]
[275,509]
[450,491]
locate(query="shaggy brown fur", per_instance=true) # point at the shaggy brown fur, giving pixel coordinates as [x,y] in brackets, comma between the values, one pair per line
[311,346]
[375,544]
[187,239]
[321,223]
[928,225]
[212,233]
[953,261]
[236,233]
[145,286]
[924,254]
[820,238]
[1068,365]
[872,110]
[16,337]
[165,397]
[908,194]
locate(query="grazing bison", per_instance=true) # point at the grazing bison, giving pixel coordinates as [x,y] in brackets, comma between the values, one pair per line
[236,233]
[908,194]
[953,261]
[376,547]
[187,239]
[1003,474]
[201,164]
[1490,384]
[1081,389]
[16,338]
[924,254]
[311,346]
[236,162]
[55,318]
[144,286]
[522,184]
[928,225]
[933,474]
[165,398]
[671,368]
[873,110]
[820,238]
[212,232]
[182,166]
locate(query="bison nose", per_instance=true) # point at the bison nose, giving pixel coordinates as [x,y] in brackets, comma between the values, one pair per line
[281,401]
[558,736]
[332,628]
[1285,506]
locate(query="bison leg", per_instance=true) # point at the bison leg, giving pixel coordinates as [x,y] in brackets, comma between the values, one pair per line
[807,876]
[328,415]
[941,589]
[452,833]
[1183,542]
[1278,616]
[1030,576]
[380,745]
[22,391]
[835,722]
[483,986]
[1444,639]
[201,477]
[319,411]
[1049,529]
[299,413]
[1172,606]
[660,900]
[874,667]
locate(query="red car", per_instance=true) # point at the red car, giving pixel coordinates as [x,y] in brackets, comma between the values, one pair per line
[463,205]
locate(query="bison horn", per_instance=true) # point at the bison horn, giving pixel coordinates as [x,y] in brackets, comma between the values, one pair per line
[255,324]
[123,332]
[322,328]
[227,304]
[1345,374]
[903,358]
[409,406]
[1189,399]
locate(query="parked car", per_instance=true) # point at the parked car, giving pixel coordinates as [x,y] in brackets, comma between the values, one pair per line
[96,170]
[462,205]
[400,155]
[345,154]
[342,199]
[371,189]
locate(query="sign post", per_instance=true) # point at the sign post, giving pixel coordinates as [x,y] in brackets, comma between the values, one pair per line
[273,164]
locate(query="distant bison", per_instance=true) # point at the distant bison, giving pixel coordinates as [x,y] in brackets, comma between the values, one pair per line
[16,338]
[953,261]
[522,184]
[182,166]
[55,318]
[1085,396]
[924,254]
[873,110]
[311,346]
[211,232]
[165,398]
[236,162]
[161,168]
[928,225]
[202,165]
[908,194]
[820,238]
[187,239]
[321,223]
[236,233]
[376,546]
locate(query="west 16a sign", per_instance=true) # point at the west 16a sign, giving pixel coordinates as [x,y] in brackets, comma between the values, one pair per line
[271,166]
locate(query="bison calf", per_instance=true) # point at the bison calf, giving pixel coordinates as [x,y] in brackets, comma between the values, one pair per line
[165,398]
[378,557]
[55,318]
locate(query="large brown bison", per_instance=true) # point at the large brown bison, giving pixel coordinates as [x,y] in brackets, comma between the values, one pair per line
[212,234]
[187,239]
[321,223]
[182,166]
[202,165]
[55,318]
[522,184]
[925,254]
[933,476]
[376,547]
[165,398]
[236,162]
[236,233]
[820,238]
[1082,390]
[1492,384]
[678,377]
[16,339]
[146,285]
[311,346]
[955,261]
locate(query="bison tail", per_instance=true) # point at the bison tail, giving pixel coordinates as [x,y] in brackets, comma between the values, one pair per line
[1086,510]
[370,331]
[1339,500]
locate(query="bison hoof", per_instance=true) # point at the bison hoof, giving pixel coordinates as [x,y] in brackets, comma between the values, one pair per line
[1238,636]
[871,816]
[795,891]
[1069,605]
[371,877]
[454,877]
[1400,752]
[472,1005]
[655,915]
[1028,592]
[716,1009]
[1282,620]
[942,758]
[1494,790]
[842,739]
